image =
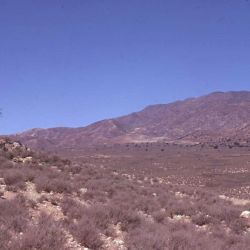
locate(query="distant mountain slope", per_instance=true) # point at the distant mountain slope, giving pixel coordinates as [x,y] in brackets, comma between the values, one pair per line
[210,117]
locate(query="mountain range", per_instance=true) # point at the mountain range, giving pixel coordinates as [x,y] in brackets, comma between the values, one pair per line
[216,116]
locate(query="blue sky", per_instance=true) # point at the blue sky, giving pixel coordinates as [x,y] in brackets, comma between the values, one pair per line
[71,63]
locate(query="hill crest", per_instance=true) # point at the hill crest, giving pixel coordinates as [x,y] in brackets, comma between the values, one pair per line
[206,118]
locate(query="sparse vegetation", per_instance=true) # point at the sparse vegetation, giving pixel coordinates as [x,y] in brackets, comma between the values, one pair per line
[120,203]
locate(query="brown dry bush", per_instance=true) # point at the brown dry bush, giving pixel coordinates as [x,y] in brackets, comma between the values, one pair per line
[164,199]
[99,215]
[230,240]
[23,153]
[243,243]
[86,233]
[9,155]
[14,179]
[46,234]
[5,237]
[148,236]
[159,216]
[52,182]
[29,173]
[96,195]
[180,207]
[184,240]
[239,226]
[43,183]
[14,214]
[201,219]
[128,218]
[223,212]
[147,204]
[72,209]
[76,169]
[5,164]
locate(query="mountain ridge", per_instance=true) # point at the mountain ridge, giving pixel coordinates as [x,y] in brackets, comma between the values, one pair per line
[193,120]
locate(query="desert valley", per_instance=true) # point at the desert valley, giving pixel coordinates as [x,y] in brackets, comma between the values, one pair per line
[172,176]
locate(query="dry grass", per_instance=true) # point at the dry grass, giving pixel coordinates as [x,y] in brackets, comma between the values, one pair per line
[125,201]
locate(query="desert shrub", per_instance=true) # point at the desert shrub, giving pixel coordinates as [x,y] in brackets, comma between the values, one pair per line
[14,179]
[221,212]
[128,218]
[110,231]
[231,240]
[5,237]
[29,173]
[201,219]
[13,176]
[45,158]
[148,236]
[4,163]
[244,243]
[31,203]
[238,226]
[55,158]
[43,183]
[72,208]
[75,169]
[180,226]
[96,195]
[98,183]
[182,241]
[184,236]
[147,204]
[43,198]
[55,201]
[14,214]
[9,155]
[159,216]
[51,184]
[46,234]
[23,153]
[124,199]
[99,215]
[52,173]
[61,186]
[164,198]
[86,233]
[179,207]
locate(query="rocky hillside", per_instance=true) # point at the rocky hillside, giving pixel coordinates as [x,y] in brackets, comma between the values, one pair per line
[217,116]
[15,151]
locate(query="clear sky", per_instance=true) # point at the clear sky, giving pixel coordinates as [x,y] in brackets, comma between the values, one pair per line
[73,62]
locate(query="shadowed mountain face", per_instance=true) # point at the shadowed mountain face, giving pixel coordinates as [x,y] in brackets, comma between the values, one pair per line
[207,118]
